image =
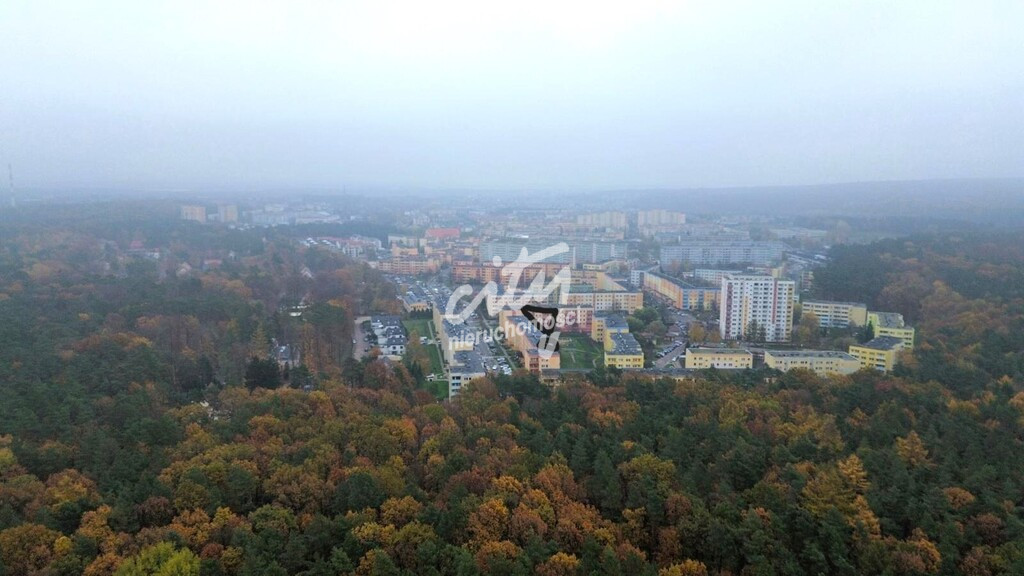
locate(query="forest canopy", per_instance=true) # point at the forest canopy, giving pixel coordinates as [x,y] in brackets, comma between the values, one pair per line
[138,435]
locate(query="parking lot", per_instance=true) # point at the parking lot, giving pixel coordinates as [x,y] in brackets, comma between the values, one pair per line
[492,352]
[672,354]
[360,347]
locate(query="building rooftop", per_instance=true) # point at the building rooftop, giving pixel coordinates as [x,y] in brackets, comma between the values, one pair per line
[468,362]
[756,278]
[889,319]
[834,302]
[414,294]
[719,351]
[810,354]
[386,320]
[883,343]
[523,323]
[624,344]
[676,281]
[458,331]
[728,243]
[612,319]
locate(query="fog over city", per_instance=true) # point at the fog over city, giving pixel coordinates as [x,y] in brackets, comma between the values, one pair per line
[535,95]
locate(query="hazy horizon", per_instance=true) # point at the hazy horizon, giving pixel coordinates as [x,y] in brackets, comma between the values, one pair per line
[458,96]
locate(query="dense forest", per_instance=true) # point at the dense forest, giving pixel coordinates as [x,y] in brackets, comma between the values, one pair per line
[138,436]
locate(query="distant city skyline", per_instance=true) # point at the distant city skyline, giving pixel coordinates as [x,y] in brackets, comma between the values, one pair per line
[460,95]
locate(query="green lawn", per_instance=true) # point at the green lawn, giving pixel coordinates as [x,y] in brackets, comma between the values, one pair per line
[422,327]
[578,351]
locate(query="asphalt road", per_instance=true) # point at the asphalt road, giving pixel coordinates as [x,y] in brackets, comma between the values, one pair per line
[486,324]
[361,347]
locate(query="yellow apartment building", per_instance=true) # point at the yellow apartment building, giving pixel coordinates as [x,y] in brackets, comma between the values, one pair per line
[819,361]
[837,314]
[622,351]
[880,353]
[892,324]
[607,322]
[701,358]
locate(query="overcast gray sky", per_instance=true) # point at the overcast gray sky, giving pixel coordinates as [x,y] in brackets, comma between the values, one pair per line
[536,93]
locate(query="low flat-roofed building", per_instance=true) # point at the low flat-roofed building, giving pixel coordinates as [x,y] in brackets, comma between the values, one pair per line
[193,212]
[606,321]
[455,338]
[880,353]
[587,295]
[466,365]
[680,294]
[441,233]
[576,319]
[837,314]
[622,351]
[407,265]
[702,358]
[892,324]
[713,275]
[538,361]
[820,361]
[416,300]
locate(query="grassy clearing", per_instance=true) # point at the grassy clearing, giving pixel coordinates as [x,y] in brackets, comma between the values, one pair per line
[578,351]
[422,327]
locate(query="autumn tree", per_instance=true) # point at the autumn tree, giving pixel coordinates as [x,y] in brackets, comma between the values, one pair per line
[697,333]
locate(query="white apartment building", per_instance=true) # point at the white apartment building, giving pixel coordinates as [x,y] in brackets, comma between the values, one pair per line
[762,301]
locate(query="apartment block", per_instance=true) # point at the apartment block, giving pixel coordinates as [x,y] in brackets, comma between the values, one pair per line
[227,213]
[659,218]
[702,358]
[892,324]
[679,294]
[483,273]
[713,252]
[579,251]
[522,336]
[599,300]
[409,265]
[605,322]
[193,212]
[713,275]
[756,302]
[622,351]
[466,366]
[602,220]
[436,234]
[837,314]
[881,353]
[537,363]
[819,361]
